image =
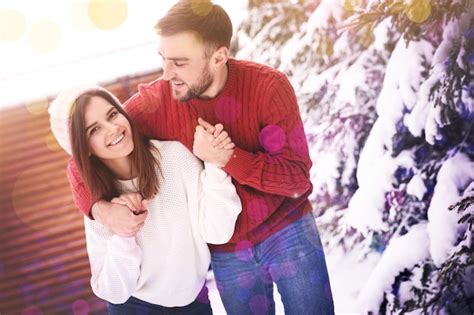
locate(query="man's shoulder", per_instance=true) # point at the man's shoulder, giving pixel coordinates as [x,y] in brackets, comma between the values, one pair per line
[153,88]
[149,94]
[256,68]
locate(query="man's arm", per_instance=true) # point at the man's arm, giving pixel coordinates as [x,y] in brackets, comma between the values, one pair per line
[283,167]
[117,217]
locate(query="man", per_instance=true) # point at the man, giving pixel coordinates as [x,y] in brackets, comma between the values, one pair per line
[203,91]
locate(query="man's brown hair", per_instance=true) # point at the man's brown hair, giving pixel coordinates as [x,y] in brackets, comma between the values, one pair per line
[208,20]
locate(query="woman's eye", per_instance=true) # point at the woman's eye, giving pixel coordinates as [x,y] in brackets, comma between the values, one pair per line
[113,114]
[94,130]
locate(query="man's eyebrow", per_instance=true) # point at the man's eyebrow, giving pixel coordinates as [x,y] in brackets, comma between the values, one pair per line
[175,58]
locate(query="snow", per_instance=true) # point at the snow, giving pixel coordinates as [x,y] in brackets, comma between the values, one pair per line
[403,78]
[402,252]
[454,176]
[426,115]
[416,187]
[348,273]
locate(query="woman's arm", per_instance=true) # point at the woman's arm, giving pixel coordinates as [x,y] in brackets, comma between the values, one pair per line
[115,263]
[213,200]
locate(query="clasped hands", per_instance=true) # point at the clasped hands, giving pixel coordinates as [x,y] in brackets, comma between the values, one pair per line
[211,144]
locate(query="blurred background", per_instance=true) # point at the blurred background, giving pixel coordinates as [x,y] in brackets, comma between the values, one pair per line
[385,91]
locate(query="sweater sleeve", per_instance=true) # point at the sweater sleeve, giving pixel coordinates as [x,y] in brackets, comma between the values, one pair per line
[212,199]
[115,263]
[283,166]
[80,192]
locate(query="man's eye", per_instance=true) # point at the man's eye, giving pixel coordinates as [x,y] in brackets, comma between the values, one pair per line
[178,64]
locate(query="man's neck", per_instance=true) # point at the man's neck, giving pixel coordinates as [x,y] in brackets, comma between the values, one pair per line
[220,80]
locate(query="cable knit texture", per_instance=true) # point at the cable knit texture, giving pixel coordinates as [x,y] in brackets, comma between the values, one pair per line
[271,163]
[166,263]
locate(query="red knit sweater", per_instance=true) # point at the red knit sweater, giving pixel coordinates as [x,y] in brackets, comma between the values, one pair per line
[270,165]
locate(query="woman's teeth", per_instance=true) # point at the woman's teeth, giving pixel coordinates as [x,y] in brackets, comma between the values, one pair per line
[119,138]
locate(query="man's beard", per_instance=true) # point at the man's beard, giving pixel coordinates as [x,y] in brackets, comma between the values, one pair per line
[196,90]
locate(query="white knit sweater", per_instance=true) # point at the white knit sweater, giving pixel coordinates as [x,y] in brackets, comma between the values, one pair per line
[166,263]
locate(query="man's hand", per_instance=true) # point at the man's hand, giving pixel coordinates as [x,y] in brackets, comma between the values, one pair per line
[133,201]
[118,218]
[212,144]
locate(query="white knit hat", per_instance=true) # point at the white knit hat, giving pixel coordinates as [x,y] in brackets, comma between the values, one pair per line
[60,111]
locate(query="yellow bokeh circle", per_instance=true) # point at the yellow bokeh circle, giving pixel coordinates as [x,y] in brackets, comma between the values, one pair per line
[44,37]
[418,11]
[201,8]
[52,143]
[107,14]
[38,107]
[12,25]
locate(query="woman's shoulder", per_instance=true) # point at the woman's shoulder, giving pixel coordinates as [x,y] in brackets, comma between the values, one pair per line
[171,149]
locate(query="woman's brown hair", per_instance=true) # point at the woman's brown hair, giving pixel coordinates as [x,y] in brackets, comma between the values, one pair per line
[99,178]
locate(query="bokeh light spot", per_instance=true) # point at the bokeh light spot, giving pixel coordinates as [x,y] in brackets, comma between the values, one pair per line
[243,250]
[52,143]
[246,280]
[80,307]
[37,108]
[272,138]
[44,37]
[201,8]
[12,25]
[107,14]
[259,304]
[418,11]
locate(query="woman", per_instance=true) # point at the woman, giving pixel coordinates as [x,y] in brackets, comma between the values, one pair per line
[163,267]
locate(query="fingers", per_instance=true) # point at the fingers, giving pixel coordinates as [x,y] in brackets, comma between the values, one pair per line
[229,146]
[132,200]
[136,223]
[220,138]
[218,129]
[223,143]
[145,204]
[209,128]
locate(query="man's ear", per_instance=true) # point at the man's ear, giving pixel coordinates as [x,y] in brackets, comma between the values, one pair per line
[221,56]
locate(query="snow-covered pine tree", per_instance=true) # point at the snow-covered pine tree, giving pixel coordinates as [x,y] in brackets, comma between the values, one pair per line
[418,161]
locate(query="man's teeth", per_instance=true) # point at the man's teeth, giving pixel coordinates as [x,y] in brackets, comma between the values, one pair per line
[117,140]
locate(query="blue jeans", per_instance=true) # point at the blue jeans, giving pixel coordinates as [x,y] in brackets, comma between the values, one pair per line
[292,258]
[134,306]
